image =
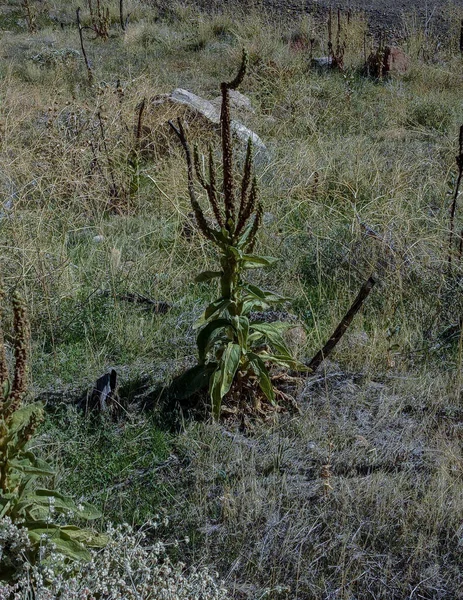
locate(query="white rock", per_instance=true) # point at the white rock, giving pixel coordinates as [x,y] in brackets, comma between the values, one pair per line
[212,114]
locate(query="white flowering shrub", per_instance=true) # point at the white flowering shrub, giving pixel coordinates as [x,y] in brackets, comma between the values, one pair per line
[130,567]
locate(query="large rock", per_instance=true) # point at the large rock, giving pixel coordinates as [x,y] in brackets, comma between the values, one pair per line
[239,103]
[388,61]
[204,109]
[396,61]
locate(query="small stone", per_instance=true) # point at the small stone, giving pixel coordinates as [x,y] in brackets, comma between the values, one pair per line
[324,62]
[98,239]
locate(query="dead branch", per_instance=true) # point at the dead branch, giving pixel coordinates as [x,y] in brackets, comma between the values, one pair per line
[343,325]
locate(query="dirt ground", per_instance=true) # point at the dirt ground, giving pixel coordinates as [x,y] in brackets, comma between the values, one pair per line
[383,15]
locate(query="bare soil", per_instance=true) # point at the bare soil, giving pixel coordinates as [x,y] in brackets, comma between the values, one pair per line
[383,15]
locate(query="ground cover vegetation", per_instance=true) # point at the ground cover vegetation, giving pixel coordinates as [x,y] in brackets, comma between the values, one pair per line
[358,493]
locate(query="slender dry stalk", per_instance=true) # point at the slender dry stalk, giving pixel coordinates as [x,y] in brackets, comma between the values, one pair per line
[81,37]
[453,207]
[121,15]
[141,110]
[30,17]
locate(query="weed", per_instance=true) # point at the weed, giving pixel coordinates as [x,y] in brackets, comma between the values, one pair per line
[232,347]
[39,511]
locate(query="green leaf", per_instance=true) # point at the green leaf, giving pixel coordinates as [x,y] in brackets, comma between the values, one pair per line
[213,310]
[61,503]
[252,261]
[85,536]
[222,378]
[32,465]
[209,334]
[192,381]
[235,251]
[244,237]
[5,505]
[263,377]
[242,330]
[269,297]
[253,304]
[285,361]
[23,416]
[64,544]
[214,393]
[6,388]
[220,237]
[72,549]
[207,276]
[229,365]
[273,332]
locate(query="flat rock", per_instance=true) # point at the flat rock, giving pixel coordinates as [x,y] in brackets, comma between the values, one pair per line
[211,113]
[238,102]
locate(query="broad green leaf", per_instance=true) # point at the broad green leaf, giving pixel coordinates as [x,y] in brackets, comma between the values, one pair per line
[255,336]
[216,306]
[269,297]
[22,417]
[220,237]
[61,503]
[213,310]
[253,304]
[34,499]
[85,536]
[6,388]
[263,377]
[207,276]
[32,465]
[242,330]
[214,393]
[36,512]
[5,506]
[228,366]
[272,331]
[235,251]
[70,548]
[209,334]
[252,261]
[192,381]
[222,378]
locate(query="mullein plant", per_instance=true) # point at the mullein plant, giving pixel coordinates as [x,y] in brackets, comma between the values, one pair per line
[41,512]
[235,351]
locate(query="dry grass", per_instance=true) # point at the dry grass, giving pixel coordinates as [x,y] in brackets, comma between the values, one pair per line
[345,153]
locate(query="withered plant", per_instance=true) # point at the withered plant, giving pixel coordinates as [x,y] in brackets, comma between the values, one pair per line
[235,352]
[84,53]
[101,21]
[30,16]
[336,52]
[453,206]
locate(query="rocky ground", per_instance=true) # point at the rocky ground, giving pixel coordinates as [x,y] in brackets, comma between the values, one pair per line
[383,15]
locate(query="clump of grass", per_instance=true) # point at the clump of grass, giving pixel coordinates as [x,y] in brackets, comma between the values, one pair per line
[110,463]
[429,114]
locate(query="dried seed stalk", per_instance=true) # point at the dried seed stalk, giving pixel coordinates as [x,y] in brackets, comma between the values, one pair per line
[453,207]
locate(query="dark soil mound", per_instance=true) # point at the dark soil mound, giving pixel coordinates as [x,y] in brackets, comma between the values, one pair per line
[383,15]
